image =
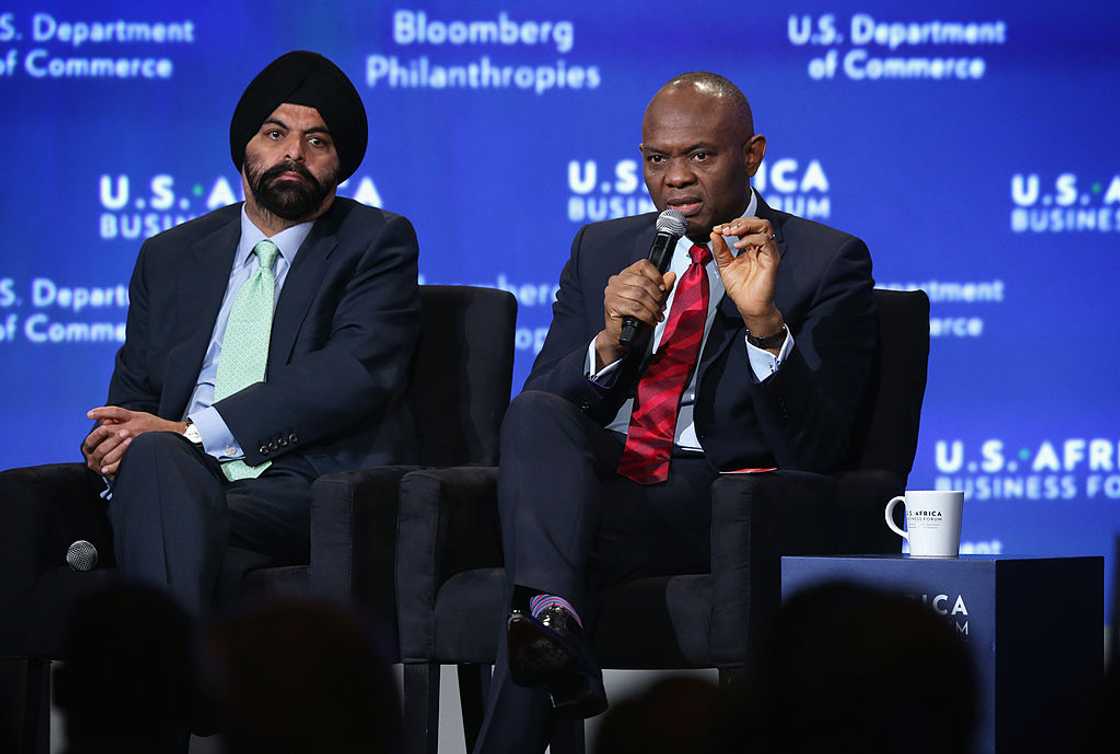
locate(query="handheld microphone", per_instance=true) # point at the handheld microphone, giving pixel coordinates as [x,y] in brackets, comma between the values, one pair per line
[671,225]
[81,556]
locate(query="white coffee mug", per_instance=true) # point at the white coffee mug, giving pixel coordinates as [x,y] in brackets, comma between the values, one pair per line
[933,522]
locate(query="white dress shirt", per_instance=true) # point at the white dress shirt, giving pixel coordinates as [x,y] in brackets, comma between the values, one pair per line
[762,361]
[217,440]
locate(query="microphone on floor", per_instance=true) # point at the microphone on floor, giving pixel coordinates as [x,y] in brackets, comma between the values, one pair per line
[81,556]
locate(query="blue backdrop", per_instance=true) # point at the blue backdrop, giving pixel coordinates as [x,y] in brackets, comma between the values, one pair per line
[972,145]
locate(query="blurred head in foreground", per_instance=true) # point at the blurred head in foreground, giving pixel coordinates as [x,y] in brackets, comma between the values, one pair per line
[127,679]
[298,677]
[674,716]
[851,669]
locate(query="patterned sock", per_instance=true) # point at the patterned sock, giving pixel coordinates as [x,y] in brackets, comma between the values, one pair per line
[538,604]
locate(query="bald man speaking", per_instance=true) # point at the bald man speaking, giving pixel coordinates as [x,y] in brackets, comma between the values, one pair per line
[267,343]
[758,348]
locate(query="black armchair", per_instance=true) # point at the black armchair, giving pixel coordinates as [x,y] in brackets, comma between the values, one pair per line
[449,558]
[458,394]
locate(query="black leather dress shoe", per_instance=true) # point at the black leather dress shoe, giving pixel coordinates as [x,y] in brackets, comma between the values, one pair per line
[551,652]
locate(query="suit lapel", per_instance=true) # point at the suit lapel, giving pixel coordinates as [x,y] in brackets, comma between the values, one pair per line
[642,244]
[638,358]
[300,286]
[202,285]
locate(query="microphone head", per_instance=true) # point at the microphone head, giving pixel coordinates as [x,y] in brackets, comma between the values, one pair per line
[673,222]
[81,556]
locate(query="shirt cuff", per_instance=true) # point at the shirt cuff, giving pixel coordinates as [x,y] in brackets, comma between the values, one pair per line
[765,363]
[217,440]
[600,378]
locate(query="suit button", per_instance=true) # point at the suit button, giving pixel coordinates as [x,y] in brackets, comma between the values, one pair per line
[263,450]
[272,445]
[282,441]
[292,438]
[584,406]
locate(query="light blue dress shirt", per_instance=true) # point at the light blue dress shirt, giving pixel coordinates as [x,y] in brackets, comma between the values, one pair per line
[217,440]
[763,363]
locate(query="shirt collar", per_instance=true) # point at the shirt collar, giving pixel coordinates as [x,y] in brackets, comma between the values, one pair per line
[287,241]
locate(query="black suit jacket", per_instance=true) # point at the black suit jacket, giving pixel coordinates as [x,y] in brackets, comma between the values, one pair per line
[802,417]
[343,334]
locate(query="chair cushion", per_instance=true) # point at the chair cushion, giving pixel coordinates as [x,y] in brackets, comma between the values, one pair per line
[469,617]
[269,583]
[35,624]
[661,622]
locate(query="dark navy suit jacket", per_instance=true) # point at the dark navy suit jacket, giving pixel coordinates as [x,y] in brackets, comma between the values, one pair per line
[343,334]
[801,417]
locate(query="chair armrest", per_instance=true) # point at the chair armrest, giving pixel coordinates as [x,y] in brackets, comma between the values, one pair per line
[354,543]
[448,524]
[861,497]
[755,520]
[43,509]
[354,535]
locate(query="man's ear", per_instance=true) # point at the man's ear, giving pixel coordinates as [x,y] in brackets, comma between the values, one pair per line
[753,153]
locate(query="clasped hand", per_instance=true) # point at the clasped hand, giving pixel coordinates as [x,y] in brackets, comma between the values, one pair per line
[104,447]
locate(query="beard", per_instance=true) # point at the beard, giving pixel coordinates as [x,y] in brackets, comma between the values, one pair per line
[290,199]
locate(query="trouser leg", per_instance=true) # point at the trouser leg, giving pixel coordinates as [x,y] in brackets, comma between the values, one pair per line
[270,524]
[179,524]
[554,461]
[169,517]
[571,525]
[554,464]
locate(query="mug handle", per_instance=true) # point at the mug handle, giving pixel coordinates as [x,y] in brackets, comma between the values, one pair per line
[890,519]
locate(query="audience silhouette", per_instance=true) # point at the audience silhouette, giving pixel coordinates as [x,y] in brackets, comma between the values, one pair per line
[852,669]
[301,677]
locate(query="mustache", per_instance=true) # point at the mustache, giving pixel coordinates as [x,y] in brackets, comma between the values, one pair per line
[284,167]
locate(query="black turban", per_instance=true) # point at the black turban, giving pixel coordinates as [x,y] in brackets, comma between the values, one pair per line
[304,78]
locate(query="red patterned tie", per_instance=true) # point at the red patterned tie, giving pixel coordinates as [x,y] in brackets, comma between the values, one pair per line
[649,442]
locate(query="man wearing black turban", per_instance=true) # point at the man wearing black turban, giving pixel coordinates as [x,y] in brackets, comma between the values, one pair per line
[268,343]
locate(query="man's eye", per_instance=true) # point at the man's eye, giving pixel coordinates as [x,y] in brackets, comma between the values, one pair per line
[700,156]
[656,159]
[273,134]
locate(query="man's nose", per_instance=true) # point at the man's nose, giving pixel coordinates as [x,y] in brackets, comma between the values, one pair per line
[294,148]
[679,173]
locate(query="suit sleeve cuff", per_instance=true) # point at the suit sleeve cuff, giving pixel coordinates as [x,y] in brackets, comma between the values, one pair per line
[764,363]
[605,376]
[217,440]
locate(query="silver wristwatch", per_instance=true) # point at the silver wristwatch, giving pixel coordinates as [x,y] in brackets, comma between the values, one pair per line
[192,433]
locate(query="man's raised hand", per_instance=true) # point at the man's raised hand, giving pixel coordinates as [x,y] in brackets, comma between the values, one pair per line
[751,277]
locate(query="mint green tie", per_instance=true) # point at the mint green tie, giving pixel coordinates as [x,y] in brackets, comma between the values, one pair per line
[245,345]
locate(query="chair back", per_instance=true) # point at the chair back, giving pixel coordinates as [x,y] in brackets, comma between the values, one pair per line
[461,374]
[887,437]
